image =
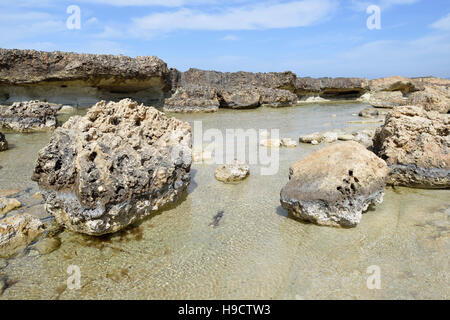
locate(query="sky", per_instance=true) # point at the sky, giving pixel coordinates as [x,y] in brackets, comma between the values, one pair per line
[317,38]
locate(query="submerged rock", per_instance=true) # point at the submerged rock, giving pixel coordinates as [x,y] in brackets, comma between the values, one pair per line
[334,185]
[114,166]
[17,232]
[416,145]
[309,138]
[7,205]
[233,172]
[288,143]
[369,113]
[3,142]
[270,143]
[29,116]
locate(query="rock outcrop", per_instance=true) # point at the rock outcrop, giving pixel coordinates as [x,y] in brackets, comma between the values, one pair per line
[432,98]
[233,172]
[17,232]
[7,205]
[415,144]
[80,79]
[3,142]
[29,116]
[121,162]
[335,185]
[193,99]
[331,87]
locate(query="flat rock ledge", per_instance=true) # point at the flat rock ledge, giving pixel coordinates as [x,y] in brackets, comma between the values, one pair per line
[29,116]
[415,143]
[233,172]
[117,164]
[3,142]
[335,185]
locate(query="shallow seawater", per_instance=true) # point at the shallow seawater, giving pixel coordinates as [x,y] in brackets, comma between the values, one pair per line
[256,251]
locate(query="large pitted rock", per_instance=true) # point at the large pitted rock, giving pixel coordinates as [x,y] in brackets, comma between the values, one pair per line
[3,142]
[119,163]
[192,99]
[277,98]
[415,144]
[17,232]
[395,83]
[29,116]
[334,185]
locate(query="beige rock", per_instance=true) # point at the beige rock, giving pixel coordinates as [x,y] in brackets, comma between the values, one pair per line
[233,172]
[416,145]
[17,232]
[309,138]
[288,143]
[387,99]
[7,205]
[334,185]
[270,143]
[436,98]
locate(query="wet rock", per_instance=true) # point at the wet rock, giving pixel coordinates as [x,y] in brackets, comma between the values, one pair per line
[192,99]
[330,137]
[29,116]
[9,192]
[7,205]
[415,144]
[369,113]
[47,245]
[346,137]
[334,185]
[270,143]
[17,232]
[233,172]
[288,143]
[119,163]
[309,138]
[3,142]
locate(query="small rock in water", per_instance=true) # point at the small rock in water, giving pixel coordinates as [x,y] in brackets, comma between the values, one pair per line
[309,138]
[7,205]
[288,143]
[314,142]
[233,172]
[47,245]
[369,113]
[330,137]
[271,143]
[346,137]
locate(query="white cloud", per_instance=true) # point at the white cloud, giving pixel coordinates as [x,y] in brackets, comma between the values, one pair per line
[149,3]
[254,17]
[442,24]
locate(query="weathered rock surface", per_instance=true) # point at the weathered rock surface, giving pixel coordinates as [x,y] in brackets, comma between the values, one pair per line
[395,83]
[288,143]
[3,142]
[108,169]
[270,143]
[387,99]
[240,98]
[415,144]
[436,98]
[233,172]
[277,97]
[193,99]
[17,232]
[79,79]
[7,205]
[29,116]
[309,138]
[331,87]
[334,185]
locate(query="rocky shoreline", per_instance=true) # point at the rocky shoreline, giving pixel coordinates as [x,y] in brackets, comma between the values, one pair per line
[124,160]
[81,80]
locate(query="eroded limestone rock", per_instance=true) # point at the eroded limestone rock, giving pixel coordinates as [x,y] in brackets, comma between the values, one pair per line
[119,163]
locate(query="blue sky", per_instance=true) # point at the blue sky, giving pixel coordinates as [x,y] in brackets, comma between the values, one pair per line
[309,37]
